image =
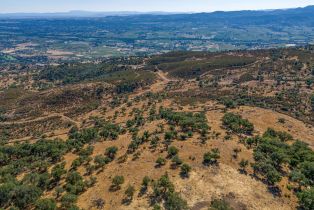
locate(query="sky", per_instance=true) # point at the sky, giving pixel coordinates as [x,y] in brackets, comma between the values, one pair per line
[12,6]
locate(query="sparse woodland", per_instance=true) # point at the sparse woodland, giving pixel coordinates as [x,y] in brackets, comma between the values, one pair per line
[164,135]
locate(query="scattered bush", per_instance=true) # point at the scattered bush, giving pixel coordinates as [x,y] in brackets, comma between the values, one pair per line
[281,135]
[186,120]
[236,124]
[306,199]
[172,151]
[211,157]
[185,170]
[243,165]
[99,203]
[220,204]
[129,193]
[111,152]
[117,181]
[46,204]
[160,161]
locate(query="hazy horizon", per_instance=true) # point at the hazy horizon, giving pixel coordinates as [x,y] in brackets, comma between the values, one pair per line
[177,6]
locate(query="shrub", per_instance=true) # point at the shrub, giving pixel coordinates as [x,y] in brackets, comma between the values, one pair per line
[280,135]
[68,200]
[117,181]
[146,181]
[176,160]
[236,124]
[243,164]
[175,202]
[76,163]
[229,103]
[282,120]
[211,157]
[57,171]
[160,161]
[6,193]
[219,204]
[306,199]
[129,193]
[111,152]
[58,191]
[99,203]
[46,204]
[188,121]
[101,161]
[172,151]
[25,195]
[156,207]
[169,135]
[162,186]
[185,170]
[75,184]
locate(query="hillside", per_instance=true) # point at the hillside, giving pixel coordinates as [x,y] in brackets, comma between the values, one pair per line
[181,130]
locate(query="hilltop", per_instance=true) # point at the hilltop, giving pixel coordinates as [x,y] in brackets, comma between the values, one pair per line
[181,130]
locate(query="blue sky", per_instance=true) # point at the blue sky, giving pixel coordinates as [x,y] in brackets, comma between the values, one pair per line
[7,6]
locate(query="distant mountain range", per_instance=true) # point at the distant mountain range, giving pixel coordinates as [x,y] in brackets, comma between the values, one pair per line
[78,13]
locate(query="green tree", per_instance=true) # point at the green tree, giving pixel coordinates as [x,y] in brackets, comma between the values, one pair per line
[156,207]
[57,171]
[211,157]
[117,181]
[111,152]
[306,199]
[101,161]
[219,204]
[268,171]
[172,151]
[237,124]
[162,186]
[129,193]
[58,191]
[6,193]
[25,195]
[145,183]
[307,168]
[75,183]
[176,161]
[299,178]
[68,200]
[243,164]
[160,161]
[76,163]
[185,170]
[175,202]
[46,204]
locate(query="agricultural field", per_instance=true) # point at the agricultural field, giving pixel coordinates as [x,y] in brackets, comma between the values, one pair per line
[41,40]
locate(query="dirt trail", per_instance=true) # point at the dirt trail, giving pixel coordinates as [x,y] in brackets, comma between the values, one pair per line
[164,77]
[63,117]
